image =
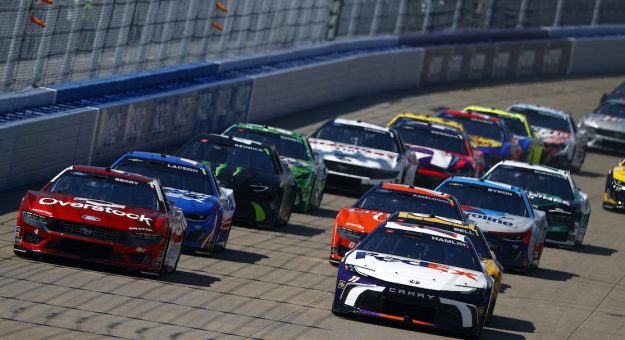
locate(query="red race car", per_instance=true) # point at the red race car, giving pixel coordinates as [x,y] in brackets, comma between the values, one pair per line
[353,224]
[103,216]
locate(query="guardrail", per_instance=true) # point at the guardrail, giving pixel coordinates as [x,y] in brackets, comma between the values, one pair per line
[92,122]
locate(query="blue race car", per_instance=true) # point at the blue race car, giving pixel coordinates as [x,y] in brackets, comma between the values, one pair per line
[516,231]
[191,186]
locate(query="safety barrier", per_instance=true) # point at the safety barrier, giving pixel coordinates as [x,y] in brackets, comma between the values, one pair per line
[93,122]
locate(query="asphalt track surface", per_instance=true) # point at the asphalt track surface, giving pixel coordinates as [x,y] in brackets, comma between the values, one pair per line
[278,284]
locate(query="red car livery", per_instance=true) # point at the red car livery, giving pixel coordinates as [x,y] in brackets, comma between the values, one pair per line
[103,216]
[353,224]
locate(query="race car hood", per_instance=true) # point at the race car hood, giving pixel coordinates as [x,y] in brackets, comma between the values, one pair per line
[239,179]
[619,173]
[605,122]
[96,213]
[496,221]
[191,202]
[355,155]
[415,273]
[292,162]
[360,220]
[550,136]
[483,142]
[433,158]
[545,201]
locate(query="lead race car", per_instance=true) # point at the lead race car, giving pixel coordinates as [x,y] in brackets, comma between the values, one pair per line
[614,194]
[359,155]
[294,150]
[553,191]
[103,216]
[353,224]
[416,274]
[605,126]
[515,230]
[565,146]
[440,146]
[191,185]
[264,188]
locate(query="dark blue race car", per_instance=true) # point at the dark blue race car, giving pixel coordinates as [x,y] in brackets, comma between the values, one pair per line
[191,186]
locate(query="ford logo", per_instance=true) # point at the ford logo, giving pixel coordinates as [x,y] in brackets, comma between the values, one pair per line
[90,218]
[86,231]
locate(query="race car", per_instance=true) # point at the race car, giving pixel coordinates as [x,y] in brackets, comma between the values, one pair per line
[553,191]
[309,171]
[416,274]
[488,134]
[359,155]
[473,233]
[440,146]
[353,224]
[515,231]
[103,216]
[564,145]
[605,127]
[614,194]
[264,188]
[531,144]
[191,185]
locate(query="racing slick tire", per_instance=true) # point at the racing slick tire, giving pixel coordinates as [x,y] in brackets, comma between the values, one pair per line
[315,201]
[578,169]
[164,269]
[491,310]
[281,222]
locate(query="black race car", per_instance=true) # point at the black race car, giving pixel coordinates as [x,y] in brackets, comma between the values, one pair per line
[264,188]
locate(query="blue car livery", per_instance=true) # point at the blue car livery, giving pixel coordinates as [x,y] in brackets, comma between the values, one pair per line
[516,232]
[191,186]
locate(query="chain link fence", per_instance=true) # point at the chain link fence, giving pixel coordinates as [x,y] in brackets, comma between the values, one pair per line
[47,42]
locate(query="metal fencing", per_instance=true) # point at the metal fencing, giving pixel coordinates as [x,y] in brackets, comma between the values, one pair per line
[57,41]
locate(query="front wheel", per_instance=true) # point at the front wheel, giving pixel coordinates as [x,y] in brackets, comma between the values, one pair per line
[166,267]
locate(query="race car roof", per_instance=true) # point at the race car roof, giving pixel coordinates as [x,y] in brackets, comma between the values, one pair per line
[108,172]
[427,230]
[471,115]
[416,190]
[166,158]
[486,110]
[544,168]
[486,183]
[427,120]
[541,109]
[266,128]
[360,123]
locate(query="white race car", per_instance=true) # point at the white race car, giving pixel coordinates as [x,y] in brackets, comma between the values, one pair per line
[359,154]
[565,146]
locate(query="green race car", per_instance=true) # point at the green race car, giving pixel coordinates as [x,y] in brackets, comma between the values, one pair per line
[308,170]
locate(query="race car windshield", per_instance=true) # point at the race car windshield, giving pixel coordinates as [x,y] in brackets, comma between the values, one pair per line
[233,155]
[534,180]
[515,126]
[106,189]
[432,138]
[285,145]
[359,136]
[421,246]
[611,109]
[479,127]
[543,119]
[171,175]
[484,197]
[389,201]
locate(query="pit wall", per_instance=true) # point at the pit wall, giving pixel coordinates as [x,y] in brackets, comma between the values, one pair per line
[93,122]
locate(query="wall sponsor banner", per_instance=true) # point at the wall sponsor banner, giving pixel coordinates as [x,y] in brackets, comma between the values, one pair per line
[158,122]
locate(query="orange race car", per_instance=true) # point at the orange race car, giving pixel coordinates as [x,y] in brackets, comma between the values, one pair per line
[353,224]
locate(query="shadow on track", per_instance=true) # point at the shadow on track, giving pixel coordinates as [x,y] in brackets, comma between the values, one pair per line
[240,256]
[589,174]
[504,287]
[189,278]
[551,274]
[595,250]
[503,323]
[326,213]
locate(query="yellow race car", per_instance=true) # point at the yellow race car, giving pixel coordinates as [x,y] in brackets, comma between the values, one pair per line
[614,194]
[531,144]
[489,260]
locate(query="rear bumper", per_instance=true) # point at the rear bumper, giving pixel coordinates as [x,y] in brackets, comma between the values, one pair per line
[511,254]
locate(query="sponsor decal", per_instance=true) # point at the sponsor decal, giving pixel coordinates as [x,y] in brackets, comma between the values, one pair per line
[90,218]
[140,229]
[406,292]
[341,284]
[490,219]
[127,181]
[533,195]
[96,207]
[414,282]
[449,135]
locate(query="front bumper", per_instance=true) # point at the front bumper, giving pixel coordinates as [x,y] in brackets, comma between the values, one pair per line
[144,258]
[344,241]
[200,234]
[614,197]
[600,139]
[365,296]
[255,211]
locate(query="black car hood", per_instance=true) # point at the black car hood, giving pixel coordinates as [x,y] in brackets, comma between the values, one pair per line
[235,177]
